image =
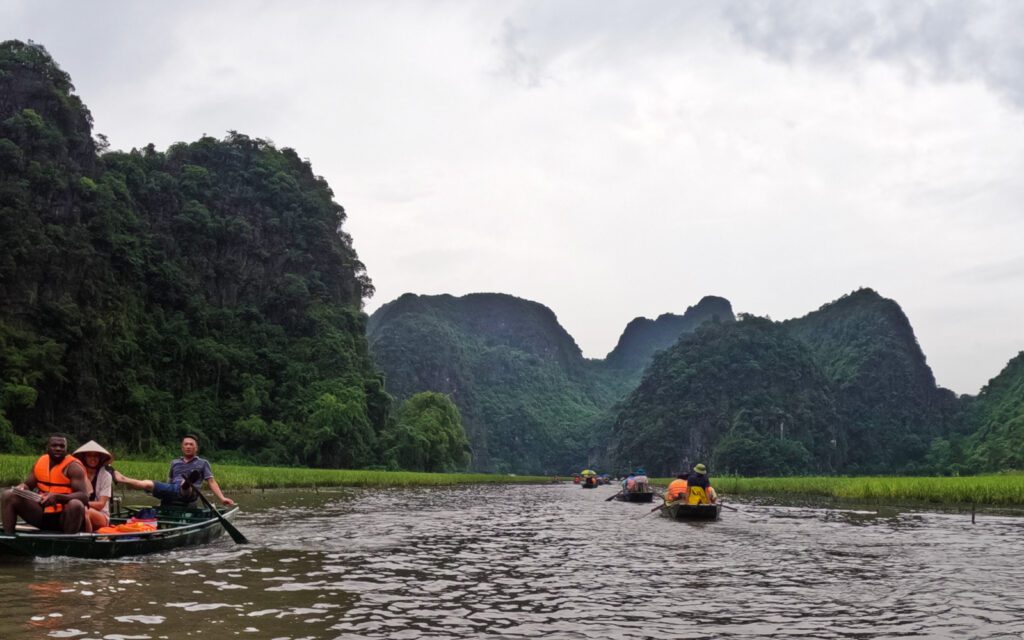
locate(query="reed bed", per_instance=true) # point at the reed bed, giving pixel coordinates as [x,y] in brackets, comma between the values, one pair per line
[13,470]
[1002,489]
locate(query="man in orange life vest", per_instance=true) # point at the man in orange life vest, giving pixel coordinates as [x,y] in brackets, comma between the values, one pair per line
[63,489]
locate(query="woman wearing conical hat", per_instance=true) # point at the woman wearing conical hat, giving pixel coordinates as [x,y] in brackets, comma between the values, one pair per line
[101,480]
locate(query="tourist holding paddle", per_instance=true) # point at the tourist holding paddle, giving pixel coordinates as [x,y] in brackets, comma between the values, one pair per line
[180,489]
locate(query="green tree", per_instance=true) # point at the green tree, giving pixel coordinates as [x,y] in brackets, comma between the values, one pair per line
[427,435]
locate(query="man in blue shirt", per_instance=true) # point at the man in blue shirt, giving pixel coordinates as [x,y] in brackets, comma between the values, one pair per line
[175,492]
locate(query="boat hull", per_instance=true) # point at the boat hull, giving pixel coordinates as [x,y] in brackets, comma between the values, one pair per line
[644,497]
[692,511]
[179,528]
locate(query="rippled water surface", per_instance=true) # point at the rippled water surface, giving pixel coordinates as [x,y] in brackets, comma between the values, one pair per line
[540,562]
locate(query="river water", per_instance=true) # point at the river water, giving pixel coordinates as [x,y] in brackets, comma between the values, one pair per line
[549,561]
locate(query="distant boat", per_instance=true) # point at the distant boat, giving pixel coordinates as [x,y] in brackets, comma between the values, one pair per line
[176,527]
[681,511]
[635,496]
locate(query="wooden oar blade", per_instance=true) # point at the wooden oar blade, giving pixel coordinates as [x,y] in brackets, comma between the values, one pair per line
[235,534]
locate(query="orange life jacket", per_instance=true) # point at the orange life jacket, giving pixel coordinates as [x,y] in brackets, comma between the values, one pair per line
[53,480]
[675,490]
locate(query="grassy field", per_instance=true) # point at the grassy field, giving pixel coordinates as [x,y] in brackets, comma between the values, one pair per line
[1003,489]
[13,470]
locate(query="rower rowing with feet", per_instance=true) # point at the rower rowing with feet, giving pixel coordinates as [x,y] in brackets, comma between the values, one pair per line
[186,476]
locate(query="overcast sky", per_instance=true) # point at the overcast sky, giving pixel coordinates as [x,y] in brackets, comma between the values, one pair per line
[615,159]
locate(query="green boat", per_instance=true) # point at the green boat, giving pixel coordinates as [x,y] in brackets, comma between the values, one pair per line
[692,511]
[176,527]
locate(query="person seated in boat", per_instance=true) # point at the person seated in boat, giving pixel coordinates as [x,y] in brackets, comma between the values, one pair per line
[63,490]
[677,488]
[176,491]
[101,482]
[698,487]
[629,482]
[640,481]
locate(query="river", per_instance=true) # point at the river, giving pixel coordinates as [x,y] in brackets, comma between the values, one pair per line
[549,561]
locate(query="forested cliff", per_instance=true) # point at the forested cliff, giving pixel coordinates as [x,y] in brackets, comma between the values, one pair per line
[211,288]
[843,389]
[528,397]
[643,337]
[207,288]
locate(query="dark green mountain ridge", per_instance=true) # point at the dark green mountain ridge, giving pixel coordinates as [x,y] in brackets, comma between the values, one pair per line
[844,389]
[527,395]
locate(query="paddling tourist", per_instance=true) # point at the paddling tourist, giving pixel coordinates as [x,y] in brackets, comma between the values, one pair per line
[699,490]
[63,490]
[677,488]
[176,492]
[101,480]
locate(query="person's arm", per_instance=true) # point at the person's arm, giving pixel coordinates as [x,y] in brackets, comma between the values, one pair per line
[79,485]
[30,481]
[215,488]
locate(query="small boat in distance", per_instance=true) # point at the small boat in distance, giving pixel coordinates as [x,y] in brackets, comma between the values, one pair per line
[680,511]
[589,479]
[635,496]
[176,527]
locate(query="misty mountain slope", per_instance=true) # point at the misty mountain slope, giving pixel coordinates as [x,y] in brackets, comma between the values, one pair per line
[998,412]
[643,337]
[525,391]
[744,395]
[885,391]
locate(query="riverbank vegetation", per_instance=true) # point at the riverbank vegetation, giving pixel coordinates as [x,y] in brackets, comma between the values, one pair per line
[13,470]
[1002,489]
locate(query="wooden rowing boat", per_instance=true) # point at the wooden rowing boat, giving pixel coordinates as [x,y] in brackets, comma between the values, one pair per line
[635,496]
[680,511]
[176,527]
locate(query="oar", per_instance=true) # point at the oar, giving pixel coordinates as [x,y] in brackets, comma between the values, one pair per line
[725,506]
[235,534]
[659,508]
[613,497]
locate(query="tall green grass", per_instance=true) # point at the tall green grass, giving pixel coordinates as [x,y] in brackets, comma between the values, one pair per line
[1003,489]
[13,470]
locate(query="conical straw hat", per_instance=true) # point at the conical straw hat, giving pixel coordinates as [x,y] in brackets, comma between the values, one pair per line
[94,447]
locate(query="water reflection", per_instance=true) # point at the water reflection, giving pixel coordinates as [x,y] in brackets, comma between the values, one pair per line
[540,562]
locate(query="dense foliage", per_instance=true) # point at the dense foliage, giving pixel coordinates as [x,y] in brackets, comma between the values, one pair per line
[208,288]
[845,388]
[745,396]
[427,435]
[522,386]
[886,396]
[644,337]
[998,411]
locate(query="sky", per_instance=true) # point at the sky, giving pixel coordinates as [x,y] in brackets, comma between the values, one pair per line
[615,159]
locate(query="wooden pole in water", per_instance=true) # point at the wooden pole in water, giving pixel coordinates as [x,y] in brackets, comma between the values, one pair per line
[972,513]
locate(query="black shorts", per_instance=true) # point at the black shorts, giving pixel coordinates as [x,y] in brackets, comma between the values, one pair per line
[51,522]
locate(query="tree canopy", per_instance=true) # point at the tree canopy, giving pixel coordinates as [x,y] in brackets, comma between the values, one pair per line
[208,288]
